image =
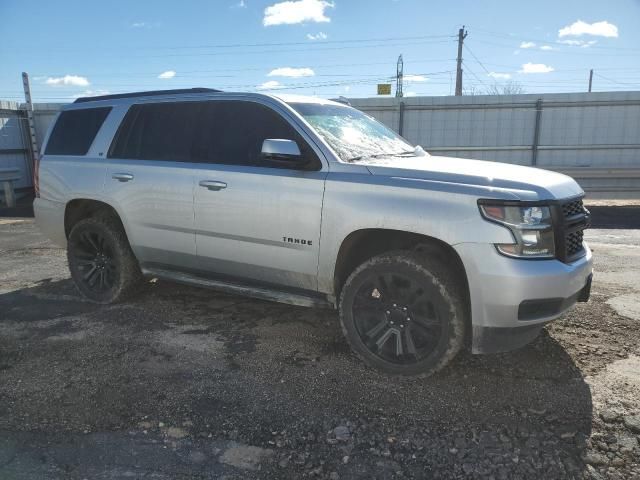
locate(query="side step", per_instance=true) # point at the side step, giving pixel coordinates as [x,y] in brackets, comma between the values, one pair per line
[262,293]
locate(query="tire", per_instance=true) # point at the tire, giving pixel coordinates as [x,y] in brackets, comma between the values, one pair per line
[403,313]
[102,265]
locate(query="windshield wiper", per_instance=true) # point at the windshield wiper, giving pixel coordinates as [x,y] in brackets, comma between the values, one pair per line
[375,155]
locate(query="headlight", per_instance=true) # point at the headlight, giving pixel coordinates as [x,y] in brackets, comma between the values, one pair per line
[531,227]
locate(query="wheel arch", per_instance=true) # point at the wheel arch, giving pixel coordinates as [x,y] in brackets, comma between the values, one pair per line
[363,244]
[81,208]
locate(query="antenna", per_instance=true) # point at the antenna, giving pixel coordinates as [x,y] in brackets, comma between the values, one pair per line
[399,73]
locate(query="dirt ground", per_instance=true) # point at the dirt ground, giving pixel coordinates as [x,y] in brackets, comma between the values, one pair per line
[184,383]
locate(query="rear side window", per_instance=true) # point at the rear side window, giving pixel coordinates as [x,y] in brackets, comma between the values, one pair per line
[160,131]
[75,131]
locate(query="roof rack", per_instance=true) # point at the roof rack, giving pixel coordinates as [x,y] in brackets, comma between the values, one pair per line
[151,93]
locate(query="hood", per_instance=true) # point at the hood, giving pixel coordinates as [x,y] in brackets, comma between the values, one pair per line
[527,183]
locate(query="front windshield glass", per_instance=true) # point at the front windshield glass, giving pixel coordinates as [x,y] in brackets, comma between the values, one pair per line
[352,134]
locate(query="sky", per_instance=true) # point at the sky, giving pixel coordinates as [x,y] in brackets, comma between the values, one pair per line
[73,48]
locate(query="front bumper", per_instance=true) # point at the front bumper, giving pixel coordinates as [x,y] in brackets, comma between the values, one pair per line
[512,299]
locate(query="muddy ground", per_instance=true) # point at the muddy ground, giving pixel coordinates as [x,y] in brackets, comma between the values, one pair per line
[182,383]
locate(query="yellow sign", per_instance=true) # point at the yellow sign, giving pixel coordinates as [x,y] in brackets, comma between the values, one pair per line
[384,89]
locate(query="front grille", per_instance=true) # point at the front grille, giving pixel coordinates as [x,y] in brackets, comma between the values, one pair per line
[574,243]
[572,208]
[574,219]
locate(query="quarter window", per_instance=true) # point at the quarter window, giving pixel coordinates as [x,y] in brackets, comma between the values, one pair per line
[75,131]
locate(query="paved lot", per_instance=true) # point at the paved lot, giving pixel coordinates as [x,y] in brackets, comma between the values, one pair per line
[188,383]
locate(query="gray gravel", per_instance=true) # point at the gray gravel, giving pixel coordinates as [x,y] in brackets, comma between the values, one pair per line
[188,383]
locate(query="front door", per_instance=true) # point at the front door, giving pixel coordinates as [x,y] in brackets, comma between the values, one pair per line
[253,220]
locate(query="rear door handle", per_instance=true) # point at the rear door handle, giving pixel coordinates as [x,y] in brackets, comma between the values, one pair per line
[122,177]
[213,185]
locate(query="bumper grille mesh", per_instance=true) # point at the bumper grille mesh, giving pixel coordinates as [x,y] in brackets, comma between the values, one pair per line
[575,220]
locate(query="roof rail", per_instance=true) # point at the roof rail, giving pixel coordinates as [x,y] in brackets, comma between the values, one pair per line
[150,93]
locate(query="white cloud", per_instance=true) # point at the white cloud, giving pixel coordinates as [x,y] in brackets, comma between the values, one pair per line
[145,24]
[527,44]
[291,72]
[596,29]
[270,85]
[536,68]
[68,80]
[241,4]
[499,76]
[91,93]
[546,47]
[414,78]
[296,11]
[168,74]
[317,36]
[579,43]
[410,94]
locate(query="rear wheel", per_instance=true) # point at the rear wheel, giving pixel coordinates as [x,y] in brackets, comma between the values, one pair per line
[101,262]
[403,313]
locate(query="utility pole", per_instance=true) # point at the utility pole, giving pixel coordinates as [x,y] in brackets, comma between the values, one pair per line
[590,79]
[461,36]
[31,126]
[399,74]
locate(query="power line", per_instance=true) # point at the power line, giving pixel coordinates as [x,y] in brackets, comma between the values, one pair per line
[546,41]
[477,59]
[272,44]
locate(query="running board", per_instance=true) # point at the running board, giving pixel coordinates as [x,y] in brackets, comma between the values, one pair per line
[262,293]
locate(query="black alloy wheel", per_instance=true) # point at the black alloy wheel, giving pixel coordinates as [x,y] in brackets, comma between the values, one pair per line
[404,313]
[94,258]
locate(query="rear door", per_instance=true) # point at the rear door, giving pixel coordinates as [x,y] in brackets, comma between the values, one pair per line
[150,181]
[259,221]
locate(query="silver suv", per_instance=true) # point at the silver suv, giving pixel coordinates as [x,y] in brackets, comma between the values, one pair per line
[311,202]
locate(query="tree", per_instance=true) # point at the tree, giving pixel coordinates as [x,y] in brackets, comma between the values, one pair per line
[509,88]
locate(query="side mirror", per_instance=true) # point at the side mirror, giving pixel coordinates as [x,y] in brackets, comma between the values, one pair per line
[280,150]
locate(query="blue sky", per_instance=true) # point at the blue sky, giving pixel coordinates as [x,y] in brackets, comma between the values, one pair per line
[326,48]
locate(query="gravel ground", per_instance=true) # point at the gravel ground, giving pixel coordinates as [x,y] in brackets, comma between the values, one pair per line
[187,383]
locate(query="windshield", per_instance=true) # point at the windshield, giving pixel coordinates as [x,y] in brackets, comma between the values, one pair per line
[352,134]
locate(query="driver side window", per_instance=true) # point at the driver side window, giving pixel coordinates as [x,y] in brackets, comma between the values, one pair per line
[231,132]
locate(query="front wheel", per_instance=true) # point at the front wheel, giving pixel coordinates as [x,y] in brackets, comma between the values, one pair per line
[403,313]
[101,262]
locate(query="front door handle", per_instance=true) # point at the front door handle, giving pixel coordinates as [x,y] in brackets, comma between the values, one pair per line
[213,185]
[122,177]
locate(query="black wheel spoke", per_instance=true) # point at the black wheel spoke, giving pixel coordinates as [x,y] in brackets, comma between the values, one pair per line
[90,273]
[399,348]
[85,263]
[90,242]
[408,340]
[377,329]
[424,331]
[382,337]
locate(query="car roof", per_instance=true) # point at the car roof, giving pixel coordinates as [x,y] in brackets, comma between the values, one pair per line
[191,93]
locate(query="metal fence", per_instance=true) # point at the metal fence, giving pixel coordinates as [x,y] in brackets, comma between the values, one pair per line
[594,137]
